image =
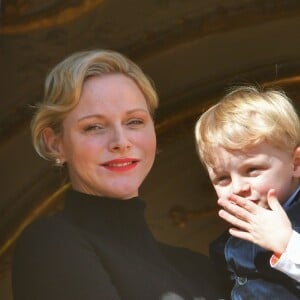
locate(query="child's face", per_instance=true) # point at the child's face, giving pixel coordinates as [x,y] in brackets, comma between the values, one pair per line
[253,172]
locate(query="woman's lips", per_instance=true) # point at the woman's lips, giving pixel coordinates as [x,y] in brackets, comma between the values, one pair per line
[121,164]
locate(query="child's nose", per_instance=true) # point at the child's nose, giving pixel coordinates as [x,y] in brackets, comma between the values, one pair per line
[240,187]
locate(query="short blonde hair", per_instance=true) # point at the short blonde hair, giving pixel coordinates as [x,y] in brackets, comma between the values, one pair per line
[64,84]
[245,117]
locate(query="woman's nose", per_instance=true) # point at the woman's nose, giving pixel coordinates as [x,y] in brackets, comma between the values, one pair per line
[119,140]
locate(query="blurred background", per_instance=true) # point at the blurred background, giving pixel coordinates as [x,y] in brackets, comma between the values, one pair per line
[193,50]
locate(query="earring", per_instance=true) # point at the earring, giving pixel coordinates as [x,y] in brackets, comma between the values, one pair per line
[58,161]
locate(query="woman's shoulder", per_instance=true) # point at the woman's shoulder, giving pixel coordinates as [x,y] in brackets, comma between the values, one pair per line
[46,234]
[50,255]
[46,225]
[48,243]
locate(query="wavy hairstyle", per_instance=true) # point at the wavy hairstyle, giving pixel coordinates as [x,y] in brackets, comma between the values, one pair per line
[64,84]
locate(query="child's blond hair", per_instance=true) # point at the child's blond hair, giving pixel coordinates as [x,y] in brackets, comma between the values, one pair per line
[245,117]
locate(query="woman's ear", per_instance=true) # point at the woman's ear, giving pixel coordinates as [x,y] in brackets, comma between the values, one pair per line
[296,162]
[53,143]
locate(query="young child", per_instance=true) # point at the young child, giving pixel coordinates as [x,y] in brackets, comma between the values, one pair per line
[250,144]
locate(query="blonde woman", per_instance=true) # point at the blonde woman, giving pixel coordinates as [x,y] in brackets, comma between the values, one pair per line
[96,121]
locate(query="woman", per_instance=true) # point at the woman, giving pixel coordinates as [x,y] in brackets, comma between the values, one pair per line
[96,120]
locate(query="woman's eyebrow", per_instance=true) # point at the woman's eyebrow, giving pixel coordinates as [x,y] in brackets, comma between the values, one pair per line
[92,116]
[101,116]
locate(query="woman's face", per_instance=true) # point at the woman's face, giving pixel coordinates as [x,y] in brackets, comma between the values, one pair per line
[108,139]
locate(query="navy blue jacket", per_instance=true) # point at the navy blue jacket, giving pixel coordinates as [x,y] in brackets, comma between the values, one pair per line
[248,266]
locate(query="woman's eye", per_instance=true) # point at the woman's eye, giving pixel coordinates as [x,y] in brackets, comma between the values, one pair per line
[135,122]
[93,128]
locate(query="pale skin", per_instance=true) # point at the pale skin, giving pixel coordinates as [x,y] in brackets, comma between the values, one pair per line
[251,186]
[270,228]
[108,141]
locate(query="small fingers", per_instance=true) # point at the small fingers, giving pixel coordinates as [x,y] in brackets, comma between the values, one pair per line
[244,235]
[234,209]
[244,203]
[273,201]
[233,220]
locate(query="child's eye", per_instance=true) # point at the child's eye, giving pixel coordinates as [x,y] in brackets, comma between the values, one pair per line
[253,171]
[222,180]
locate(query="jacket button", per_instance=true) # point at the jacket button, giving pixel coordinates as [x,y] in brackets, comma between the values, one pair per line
[242,280]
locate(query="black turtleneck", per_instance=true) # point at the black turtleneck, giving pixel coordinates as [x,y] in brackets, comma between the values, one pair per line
[101,248]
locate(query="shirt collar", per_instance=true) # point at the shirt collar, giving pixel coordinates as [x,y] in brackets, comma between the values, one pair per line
[293,197]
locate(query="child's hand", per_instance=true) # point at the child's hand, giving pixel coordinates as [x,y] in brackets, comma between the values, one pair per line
[269,228]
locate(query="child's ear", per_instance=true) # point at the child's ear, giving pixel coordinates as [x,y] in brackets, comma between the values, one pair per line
[53,143]
[296,162]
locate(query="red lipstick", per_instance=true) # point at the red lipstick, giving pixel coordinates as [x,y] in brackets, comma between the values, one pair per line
[121,164]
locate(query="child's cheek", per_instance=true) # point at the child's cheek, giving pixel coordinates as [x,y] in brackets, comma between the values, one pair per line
[262,186]
[222,192]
